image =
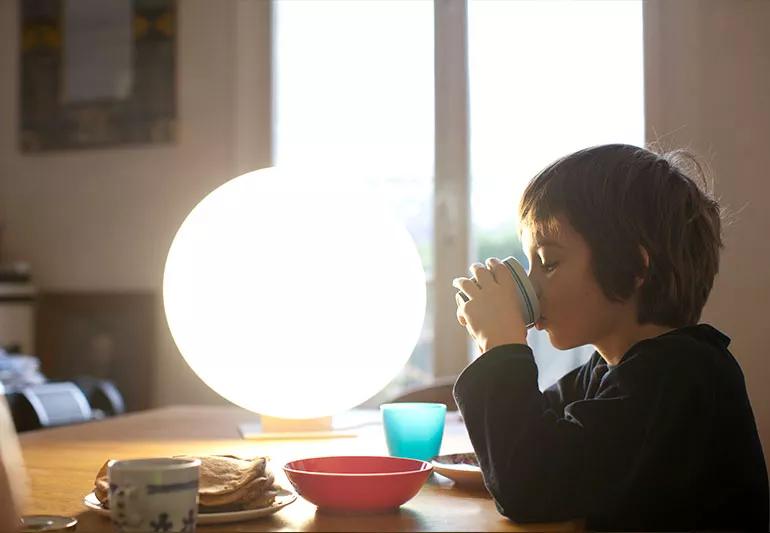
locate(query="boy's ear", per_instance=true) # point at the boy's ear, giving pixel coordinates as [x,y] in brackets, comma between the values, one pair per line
[646,259]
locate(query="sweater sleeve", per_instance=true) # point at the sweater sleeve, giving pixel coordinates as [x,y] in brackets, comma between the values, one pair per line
[514,433]
[540,464]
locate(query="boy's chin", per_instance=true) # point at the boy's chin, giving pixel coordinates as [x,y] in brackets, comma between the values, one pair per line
[561,343]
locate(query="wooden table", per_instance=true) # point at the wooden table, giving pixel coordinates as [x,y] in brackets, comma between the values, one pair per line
[63,462]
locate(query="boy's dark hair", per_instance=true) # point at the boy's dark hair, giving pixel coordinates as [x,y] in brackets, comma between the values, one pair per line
[620,197]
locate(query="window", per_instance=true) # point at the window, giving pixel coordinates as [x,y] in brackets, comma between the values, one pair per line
[545,79]
[354,85]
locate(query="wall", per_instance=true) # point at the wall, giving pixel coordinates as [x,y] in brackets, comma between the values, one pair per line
[708,87]
[104,219]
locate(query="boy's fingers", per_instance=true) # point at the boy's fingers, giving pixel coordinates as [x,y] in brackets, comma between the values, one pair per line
[466,285]
[482,274]
[459,313]
[496,266]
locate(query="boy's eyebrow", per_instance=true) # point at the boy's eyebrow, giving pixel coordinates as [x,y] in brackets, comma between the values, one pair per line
[547,242]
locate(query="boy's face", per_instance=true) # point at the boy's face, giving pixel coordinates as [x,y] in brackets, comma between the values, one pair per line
[574,310]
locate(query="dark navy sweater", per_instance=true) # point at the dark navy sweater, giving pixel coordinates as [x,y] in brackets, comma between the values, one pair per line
[665,440]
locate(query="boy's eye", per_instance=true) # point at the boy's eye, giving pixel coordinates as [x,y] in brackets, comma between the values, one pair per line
[550,267]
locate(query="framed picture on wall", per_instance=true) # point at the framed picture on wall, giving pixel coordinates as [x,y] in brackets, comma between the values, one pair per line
[97,74]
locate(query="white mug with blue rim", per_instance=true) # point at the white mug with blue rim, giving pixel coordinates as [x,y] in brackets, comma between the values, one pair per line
[154,494]
[528,302]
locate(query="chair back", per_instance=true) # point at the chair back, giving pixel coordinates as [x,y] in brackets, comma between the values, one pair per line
[439,391]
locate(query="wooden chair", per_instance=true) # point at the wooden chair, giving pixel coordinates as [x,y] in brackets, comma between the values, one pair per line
[12,474]
[439,391]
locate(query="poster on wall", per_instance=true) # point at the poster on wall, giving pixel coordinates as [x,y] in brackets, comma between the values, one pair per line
[96,74]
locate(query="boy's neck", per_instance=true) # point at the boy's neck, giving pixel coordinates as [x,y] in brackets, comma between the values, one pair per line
[614,347]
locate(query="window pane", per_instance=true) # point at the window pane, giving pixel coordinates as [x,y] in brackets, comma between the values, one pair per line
[546,79]
[353,86]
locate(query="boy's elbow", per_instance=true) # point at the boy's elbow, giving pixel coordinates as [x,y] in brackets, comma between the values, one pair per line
[519,513]
[527,495]
[522,506]
[515,505]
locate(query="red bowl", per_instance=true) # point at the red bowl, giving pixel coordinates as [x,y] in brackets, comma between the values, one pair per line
[357,483]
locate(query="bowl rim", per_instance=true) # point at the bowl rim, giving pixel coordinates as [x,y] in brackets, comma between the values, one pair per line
[424,466]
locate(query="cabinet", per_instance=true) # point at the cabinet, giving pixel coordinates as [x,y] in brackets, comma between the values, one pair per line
[17,316]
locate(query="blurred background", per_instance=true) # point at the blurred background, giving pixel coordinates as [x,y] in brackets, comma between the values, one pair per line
[118,117]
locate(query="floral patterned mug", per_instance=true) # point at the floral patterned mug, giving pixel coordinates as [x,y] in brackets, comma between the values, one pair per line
[154,494]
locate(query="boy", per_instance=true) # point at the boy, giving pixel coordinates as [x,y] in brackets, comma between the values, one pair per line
[655,431]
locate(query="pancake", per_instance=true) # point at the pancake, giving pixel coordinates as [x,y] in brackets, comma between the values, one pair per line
[246,493]
[220,474]
[102,485]
[254,500]
[226,483]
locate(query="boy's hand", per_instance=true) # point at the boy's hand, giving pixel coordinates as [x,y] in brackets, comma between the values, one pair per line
[491,315]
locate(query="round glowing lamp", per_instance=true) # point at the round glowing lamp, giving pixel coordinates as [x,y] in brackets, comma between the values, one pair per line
[294,293]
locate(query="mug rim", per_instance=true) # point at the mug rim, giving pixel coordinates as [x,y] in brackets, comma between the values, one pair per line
[153,463]
[526,289]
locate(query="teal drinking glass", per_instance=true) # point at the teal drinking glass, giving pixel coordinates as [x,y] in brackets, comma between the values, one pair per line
[414,430]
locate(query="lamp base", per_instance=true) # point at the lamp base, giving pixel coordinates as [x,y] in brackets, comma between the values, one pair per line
[272,424]
[346,426]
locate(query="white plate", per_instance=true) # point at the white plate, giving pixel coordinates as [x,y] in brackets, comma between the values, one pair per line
[457,468]
[283,499]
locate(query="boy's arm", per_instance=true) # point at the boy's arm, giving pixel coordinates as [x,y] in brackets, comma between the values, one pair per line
[508,418]
[601,456]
